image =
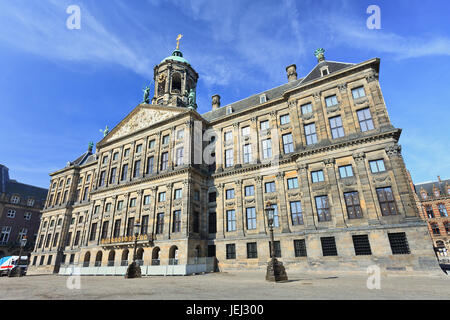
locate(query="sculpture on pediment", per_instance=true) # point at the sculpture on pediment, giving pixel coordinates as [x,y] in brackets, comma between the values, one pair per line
[146,91]
[105,132]
[191,100]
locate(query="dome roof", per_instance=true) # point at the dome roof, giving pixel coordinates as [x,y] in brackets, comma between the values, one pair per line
[177,55]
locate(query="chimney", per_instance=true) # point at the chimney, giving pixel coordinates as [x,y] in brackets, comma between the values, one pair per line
[215,102]
[291,72]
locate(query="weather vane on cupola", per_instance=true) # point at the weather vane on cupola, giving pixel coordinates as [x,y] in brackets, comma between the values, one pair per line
[178,41]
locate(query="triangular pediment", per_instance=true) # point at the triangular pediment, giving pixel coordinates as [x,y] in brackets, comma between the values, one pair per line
[143,116]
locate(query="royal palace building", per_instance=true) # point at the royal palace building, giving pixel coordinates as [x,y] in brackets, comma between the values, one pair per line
[321,149]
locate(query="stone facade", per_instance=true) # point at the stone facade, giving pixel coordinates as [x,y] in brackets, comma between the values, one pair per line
[20,206]
[321,148]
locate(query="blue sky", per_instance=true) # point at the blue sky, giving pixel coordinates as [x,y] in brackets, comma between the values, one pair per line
[58,87]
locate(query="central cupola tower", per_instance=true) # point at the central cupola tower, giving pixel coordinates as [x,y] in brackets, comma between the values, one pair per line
[175,81]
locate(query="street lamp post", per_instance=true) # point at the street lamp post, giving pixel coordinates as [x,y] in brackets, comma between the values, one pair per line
[16,272]
[275,269]
[134,270]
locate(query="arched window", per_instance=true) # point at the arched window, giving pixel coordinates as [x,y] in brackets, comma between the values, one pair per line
[155,256]
[140,256]
[435,229]
[111,257]
[98,259]
[440,244]
[176,83]
[87,258]
[124,258]
[173,255]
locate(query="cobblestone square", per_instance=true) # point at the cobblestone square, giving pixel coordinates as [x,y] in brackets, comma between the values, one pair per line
[243,285]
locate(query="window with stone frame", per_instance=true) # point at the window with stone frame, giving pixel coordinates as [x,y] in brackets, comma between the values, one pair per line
[386,201]
[292,183]
[377,166]
[120,205]
[442,210]
[288,143]
[250,214]
[266,148]
[27,216]
[162,196]
[353,205]
[179,156]
[93,231]
[296,213]
[245,131]
[365,120]
[231,251]
[337,128]
[252,250]
[228,136]
[144,224]
[123,177]
[429,211]
[23,233]
[130,226]
[285,119]
[264,125]
[229,158]
[447,227]
[164,161]
[104,234]
[323,208]
[30,202]
[317,176]
[115,156]
[247,153]
[15,199]
[176,224]
[11,213]
[196,222]
[5,233]
[270,187]
[306,108]
[151,144]
[229,194]
[86,194]
[137,168]
[435,229]
[358,93]
[346,171]
[399,243]
[116,231]
[212,222]
[231,220]
[276,249]
[310,133]
[77,238]
[361,245]
[165,139]
[126,153]
[300,248]
[178,194]
[112,176]
[331,101]
[150,163]
[328,246]
[249,191]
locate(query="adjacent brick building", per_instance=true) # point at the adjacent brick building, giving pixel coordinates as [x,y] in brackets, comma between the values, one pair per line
[434,205]
[20,206]
[320,148]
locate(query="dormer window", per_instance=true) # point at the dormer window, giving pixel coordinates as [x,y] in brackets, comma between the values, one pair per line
[263,98]
[15,199]
[436,193]
[424,195]
[229,110]
[324,71]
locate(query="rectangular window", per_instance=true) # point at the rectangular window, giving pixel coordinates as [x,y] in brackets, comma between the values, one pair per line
[176,226]
[123,177]
[270,187]
[144,224]
[252,250]
[306,108]
[86,193]
[27,216]
[337,130]
[11,213]
[251,218]
[165,139]
[4,236]
[105,159]
[310,134]
[264,125]
[196,222]
[249,191]
[130,226]
[300,248]
[77,238]
[115,156]
[353,206]
[96,209]
[430,213]
[212,223]
[119,205]
[276,221]
[346,171]
[164,161]
[180,134]
[377,166]
[387,201]
[151,144]
[296,213]
[358,93]
[323,209]
[137,168]
[117,228]
[317,176]
[212,197]
[399,243]
[267,149]
[178,194]
[365,120]
[102,178]
[285,119]
[331,101]
[328,246]
[276,249]
[133,202]
[179,156]
[231,251]
[228,158]
[229,194]
[162,197]
[246,131]
[288,143]
[146,200]
[139,148]
[231,220]
[93,232]
[362,245]
[228,136]
[108,207]
[292,183]
[126,153]
[105,230]
[150,162]
[247,153]
[112,176]
[68,239]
